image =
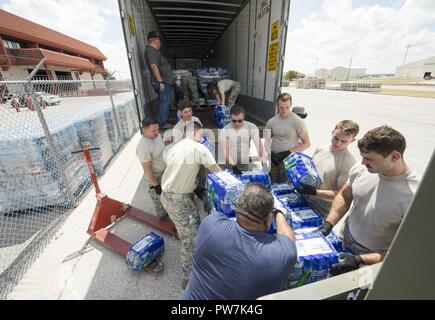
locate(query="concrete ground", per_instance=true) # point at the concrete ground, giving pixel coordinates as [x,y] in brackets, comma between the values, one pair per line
[101,274]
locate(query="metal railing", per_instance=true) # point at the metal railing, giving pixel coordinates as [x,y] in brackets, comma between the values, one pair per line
[41,123]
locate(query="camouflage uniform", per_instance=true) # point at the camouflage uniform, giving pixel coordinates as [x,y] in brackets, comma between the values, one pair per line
[160,210]
[190,88]
[233,94]
[183,212]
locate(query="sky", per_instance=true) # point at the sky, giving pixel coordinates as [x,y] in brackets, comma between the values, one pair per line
[322,33]
[374,34]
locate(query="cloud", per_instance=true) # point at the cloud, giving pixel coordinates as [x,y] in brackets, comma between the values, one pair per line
[374,36]
[96,22]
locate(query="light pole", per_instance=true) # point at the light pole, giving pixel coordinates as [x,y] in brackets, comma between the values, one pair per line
[406,53]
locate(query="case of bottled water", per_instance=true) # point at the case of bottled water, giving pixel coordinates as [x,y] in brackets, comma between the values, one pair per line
[315,257]
[333,239]
[145,252]
[256,177]
[300,169]
[304,217]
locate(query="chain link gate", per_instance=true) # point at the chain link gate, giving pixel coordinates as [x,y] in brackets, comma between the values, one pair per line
[41,123]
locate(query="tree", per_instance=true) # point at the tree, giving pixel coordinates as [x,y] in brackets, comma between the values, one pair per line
[107,74]
[291,75]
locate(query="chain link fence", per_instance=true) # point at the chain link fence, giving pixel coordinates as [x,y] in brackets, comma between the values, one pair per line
[41,123]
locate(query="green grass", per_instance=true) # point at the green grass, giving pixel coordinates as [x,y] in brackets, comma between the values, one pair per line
[409,93]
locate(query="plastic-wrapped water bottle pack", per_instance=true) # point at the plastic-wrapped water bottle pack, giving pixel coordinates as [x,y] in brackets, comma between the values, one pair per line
[304,217]
[315,257]
[300,169]
[256,177]
[221,115]
[333,239]
[144,252]
[222,190]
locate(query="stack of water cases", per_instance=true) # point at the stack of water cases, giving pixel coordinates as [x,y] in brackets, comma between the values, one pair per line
[144,252]
[301,170]
[29,176]
[256,177]
[206,75]
[92,132]
[221,115]
[315,257]
[222,190]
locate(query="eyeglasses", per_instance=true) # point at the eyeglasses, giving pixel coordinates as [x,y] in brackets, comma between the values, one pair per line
[235,121]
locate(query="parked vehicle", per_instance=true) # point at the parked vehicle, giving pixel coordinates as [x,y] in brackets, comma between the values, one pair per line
[49,99]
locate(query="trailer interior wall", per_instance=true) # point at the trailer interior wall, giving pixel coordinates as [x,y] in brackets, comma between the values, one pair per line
[245,48]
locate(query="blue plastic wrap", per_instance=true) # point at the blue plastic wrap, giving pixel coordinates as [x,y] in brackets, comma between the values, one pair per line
[281,189]
[300,169]
[222,189]
[221,115]
[304,217]
[256,177]
[145,252]
[315,257]
[333,239]
[292,200]
[93,133]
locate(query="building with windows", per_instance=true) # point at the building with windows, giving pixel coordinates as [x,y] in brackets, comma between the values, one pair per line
[23,44]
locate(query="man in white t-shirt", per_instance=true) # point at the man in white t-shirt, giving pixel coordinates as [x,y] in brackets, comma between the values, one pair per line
[333,163]
[226,91]
[184,160]
[150,152]
[380,191]
[289,134]
[235,141]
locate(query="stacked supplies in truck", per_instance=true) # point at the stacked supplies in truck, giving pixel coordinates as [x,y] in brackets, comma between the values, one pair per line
[206,75]
[301,170]
[221,115]
[222,190]
[315,257]
[255,177]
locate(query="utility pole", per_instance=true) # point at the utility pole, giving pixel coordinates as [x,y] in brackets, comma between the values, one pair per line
[406,53]
[348,71]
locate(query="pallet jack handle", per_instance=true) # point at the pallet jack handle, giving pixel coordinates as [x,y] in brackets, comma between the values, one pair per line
[87,152]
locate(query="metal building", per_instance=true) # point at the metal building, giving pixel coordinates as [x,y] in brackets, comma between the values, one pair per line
[419,69]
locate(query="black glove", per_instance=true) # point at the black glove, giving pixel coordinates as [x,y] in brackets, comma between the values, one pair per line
[237,171]
[157,188]
[348,262]
[325,229]
[306,189]
[199,191]
[278,158]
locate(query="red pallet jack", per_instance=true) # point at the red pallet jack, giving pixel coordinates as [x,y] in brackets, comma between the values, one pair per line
[108,211]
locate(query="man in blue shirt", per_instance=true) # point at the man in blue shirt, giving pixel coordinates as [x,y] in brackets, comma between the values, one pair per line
[240,260]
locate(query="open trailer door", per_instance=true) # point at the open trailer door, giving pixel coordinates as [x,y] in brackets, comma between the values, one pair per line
[246,36]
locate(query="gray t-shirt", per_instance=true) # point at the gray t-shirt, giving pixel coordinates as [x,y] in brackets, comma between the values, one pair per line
[285,132]
[153,56]
[232,263]
[379,205]
[152,150]
[239,141]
